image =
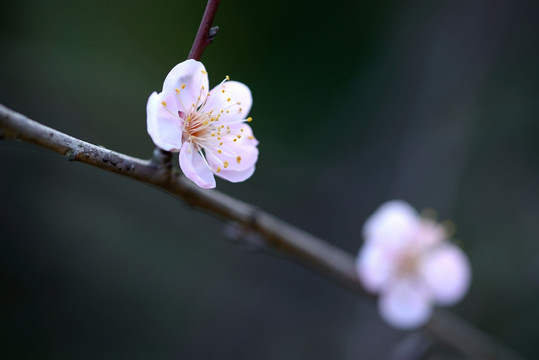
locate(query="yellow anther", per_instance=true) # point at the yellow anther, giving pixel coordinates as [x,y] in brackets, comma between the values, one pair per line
[250,137]
[202,87]
[223,91]
[228,99]
[235,140]
[222,111]
[227,111]
[177,90]
[239,136]
[238,159]
[225,164]
[227,78]
[183,86]
[241,130]
[238,103]
[219,151]
[249,119]
[219,137]
[212,134]
[239,110]
[163,103]
[219,169]
[220,143]
[203,71]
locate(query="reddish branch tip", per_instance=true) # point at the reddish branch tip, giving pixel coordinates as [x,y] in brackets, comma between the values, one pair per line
[206,32]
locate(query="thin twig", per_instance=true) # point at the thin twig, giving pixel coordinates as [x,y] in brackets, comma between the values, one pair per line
[279,236]
[205,33]
[203,38]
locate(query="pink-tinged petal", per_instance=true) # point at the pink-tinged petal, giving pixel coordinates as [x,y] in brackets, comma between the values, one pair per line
[238,168]
[428,233]
[405,304]
[189,81]
[163,124]
[240,153]
[392,223]
[446,272]
[236,176]
[231,100]
[375,267]
[194,167]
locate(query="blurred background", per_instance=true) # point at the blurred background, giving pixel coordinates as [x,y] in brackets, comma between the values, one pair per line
[355,103]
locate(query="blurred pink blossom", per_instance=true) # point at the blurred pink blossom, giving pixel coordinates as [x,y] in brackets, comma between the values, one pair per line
[409,262]
[207,128]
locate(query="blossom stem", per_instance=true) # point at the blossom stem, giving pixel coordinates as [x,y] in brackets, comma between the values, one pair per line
[206,32]
[203,38]
[279,237]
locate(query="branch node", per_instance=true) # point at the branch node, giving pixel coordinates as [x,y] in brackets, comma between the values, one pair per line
[246,238]
[213,32]
[71,154]
[161,158]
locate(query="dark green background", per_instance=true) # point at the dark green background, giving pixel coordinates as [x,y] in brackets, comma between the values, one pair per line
[355,103]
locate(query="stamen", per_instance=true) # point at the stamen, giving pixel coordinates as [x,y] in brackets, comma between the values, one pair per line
[183,86]
[238,159]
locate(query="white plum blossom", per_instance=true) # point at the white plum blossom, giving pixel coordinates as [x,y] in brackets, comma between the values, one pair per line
[409,262]
[207,128]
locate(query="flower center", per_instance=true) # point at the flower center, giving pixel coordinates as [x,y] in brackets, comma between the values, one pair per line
[198,128]
[408,263]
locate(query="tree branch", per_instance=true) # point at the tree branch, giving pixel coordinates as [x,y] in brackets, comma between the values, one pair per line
[277,235]
[205,33]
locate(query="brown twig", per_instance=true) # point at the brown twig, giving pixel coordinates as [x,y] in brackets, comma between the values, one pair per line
[205,33]
[278,235]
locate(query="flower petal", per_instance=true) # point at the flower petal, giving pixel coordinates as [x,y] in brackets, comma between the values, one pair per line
[163,124]
[405,305]
[392,223]
[240,153]
[236,176]
[231,99]
[374,266]
[194,167]
[189,80]
[446,272]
